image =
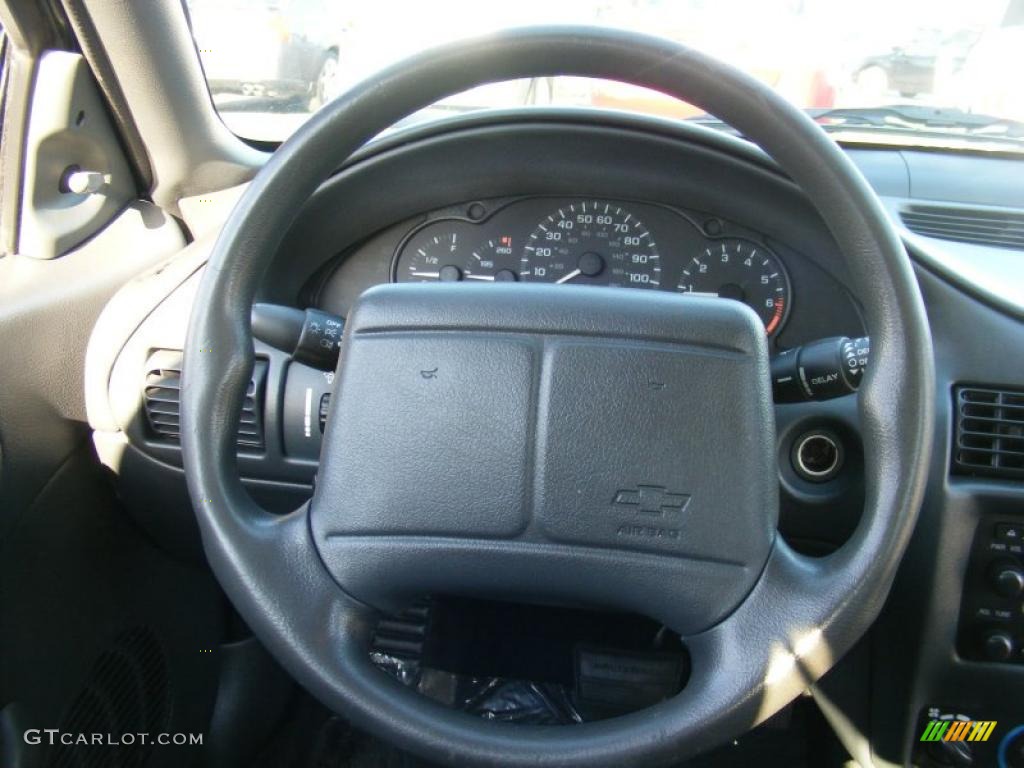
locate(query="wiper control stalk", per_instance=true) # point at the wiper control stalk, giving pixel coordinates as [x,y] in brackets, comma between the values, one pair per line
[820,370]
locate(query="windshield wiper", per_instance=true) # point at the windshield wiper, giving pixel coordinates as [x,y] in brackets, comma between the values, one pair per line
[912,117]
[710,121]
[909,119]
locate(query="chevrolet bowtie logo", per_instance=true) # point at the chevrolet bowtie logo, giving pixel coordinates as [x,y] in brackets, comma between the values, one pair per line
[652,499]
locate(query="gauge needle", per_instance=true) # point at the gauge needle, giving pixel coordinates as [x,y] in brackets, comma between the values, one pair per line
[711,294]
[566,278]
[425,274]
[468,276]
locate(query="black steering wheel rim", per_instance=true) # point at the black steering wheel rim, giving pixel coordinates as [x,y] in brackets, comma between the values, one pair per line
[801,615]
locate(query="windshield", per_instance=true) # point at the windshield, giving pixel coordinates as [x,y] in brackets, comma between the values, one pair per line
[944,71]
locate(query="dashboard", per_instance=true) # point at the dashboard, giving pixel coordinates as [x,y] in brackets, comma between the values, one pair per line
[599,242]
[633,205]
[623,203]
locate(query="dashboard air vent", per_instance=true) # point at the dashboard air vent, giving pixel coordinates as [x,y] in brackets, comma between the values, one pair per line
[989,433]
[161,398]
[966,225]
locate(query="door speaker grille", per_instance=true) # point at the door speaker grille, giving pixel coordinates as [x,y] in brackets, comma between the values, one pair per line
[126,691]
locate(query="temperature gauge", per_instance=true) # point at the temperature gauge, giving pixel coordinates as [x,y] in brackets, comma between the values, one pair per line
[492,261]
[452,251]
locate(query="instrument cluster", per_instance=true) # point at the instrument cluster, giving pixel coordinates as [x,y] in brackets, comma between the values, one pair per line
[600,242]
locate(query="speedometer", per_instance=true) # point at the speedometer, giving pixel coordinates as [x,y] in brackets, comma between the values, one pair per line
[592,243]
[743,271]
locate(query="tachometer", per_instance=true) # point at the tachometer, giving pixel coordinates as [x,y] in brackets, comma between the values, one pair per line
[592,242]
[743,271]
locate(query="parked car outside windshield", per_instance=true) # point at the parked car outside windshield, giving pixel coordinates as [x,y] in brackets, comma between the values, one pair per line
[927,64]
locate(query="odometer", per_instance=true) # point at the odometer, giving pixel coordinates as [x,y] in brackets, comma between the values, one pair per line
[743,271]
[592,243]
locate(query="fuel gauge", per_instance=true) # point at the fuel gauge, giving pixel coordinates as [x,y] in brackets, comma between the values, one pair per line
[453,251]
[438,256]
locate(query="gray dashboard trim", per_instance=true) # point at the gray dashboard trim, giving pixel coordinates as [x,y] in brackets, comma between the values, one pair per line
[897,174]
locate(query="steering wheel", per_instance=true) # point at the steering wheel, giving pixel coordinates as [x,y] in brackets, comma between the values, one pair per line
[497,440]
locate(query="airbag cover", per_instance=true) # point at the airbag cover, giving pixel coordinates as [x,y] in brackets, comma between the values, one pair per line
[550,443]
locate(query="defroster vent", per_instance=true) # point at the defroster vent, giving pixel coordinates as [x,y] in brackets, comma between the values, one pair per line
[162,400]
[1002,229]
[989,432]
